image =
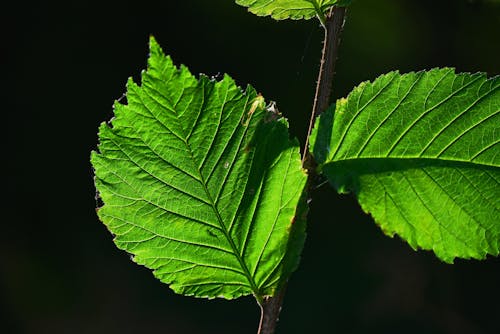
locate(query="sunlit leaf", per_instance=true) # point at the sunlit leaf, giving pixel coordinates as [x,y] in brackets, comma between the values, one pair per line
[421,153]
[290,9]
[201,183]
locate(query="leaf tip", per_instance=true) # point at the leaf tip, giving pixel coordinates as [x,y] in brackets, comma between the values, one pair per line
[153,43]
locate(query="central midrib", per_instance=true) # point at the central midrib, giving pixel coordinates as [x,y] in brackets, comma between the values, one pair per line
[242,263]
[234,249]
[246,271]
[439,161]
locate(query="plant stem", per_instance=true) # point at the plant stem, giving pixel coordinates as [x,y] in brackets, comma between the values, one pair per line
[270,307]
[269,312]
[333,26]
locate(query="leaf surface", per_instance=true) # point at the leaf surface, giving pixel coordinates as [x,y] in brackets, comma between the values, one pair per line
[201,183]
[420,151]
[290,9]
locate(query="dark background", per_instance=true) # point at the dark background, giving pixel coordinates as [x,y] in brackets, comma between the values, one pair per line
[63,65]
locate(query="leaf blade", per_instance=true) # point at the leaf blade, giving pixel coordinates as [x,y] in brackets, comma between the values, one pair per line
[178,172]
[290,9]
[391,134]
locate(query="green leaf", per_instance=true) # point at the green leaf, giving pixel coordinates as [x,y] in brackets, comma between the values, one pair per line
[291,9]
[201,183]
[420,151]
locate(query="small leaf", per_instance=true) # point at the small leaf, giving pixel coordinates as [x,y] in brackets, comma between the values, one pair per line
[421,153]
[201,184]
[291,9]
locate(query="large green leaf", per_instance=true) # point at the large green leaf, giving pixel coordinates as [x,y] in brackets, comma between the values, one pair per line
[290,9]
[420,151]
[201,183]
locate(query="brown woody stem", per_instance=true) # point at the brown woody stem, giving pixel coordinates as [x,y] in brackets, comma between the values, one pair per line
[270,307]
[334,23]
[269,312]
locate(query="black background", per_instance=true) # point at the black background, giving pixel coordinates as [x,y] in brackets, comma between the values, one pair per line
[63,65]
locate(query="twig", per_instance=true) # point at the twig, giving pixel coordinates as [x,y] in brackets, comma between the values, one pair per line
[333,26]
[269,312]
[333,23]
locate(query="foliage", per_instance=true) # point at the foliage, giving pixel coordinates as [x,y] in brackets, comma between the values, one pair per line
[420,152]
[201,183]
[291,9]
